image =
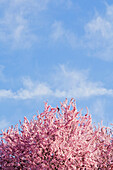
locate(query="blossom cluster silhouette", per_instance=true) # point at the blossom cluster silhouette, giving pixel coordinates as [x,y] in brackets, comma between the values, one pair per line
[59,138]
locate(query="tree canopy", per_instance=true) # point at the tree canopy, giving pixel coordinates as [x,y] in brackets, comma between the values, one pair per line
[58,138]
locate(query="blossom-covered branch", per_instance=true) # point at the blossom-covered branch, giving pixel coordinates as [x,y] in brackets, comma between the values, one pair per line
[59,138]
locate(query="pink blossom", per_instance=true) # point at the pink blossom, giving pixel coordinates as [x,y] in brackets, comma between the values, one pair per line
[68,141]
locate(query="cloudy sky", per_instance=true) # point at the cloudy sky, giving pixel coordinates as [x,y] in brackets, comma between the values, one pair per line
[53,49]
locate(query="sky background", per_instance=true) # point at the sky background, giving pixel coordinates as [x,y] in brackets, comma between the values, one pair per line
[53,49]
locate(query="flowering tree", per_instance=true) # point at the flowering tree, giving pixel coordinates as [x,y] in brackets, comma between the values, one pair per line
[59,138]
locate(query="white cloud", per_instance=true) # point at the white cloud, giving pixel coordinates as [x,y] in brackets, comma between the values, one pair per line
[97,39]
[28,83]
[109,10]
[29,91]
[38,90]
[15,25]
[6,93]
[65,83]
[77,84]
[99,35]
[100,26]
[59,33]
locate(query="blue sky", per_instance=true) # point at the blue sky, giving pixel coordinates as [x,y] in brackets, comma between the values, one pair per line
[53,49]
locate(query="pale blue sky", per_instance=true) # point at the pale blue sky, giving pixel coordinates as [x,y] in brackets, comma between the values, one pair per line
[53,49]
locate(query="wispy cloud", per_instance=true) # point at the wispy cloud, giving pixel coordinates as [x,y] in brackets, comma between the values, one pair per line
[61,34]
[15,30]
[65,83]
[15,23]
[96,39]
[30,90]
[99,35]
[100,26]
[77,84]
[6,93]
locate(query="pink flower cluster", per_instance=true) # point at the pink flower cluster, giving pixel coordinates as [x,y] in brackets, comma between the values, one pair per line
[59,139]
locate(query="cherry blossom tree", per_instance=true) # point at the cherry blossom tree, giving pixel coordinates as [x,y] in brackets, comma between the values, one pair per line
[59,138]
